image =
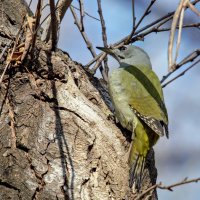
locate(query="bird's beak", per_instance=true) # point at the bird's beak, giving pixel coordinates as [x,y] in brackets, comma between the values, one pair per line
[105,49]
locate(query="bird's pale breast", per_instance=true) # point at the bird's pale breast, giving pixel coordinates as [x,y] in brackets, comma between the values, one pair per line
[119,96]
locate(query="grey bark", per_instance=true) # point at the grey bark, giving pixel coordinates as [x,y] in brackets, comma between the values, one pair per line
[57,140]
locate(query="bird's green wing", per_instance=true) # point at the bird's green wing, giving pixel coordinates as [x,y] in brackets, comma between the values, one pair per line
[146,97]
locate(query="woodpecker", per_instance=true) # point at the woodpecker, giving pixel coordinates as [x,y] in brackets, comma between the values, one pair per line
[137,97]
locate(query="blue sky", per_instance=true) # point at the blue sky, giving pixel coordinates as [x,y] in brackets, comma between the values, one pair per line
[178,157]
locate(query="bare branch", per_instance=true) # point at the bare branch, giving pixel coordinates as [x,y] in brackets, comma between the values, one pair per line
[98,63]
[82,14]
[133,13]
[169,187]
[62,6]
[163,19]
[30,3]
[181,74]
[185,181]
[157,29]
[121,42]
[195,25]
[86,13]
[189,4]
[147,11]
[153,187]
[148,31]
[46,5]
[178,16]
[104,35]
[179,33]
[88,43]
[94,60]
[60,10]
[172,33]
[94,69]
[187,59]
[85,37]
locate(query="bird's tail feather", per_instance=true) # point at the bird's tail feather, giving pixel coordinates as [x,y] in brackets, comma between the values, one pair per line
[136,171]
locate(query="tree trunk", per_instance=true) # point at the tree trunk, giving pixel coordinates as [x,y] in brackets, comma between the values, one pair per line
[57,139]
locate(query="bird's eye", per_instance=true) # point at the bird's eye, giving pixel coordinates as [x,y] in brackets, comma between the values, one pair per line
[122,48]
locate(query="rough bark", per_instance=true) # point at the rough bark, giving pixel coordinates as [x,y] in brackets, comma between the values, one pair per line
[57,139]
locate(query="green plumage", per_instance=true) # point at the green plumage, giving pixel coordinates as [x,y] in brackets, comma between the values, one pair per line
[137,97]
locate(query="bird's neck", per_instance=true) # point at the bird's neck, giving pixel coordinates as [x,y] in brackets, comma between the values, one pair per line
[137,65]
[135,62]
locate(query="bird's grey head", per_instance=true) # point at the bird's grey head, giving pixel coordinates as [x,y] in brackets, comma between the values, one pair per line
[129,55]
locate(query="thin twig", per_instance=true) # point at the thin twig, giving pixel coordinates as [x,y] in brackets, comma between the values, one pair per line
[157,29]
[181,74]
[104,35]
[44,20]
[85,37]
[179,33]
[61,8]
[30,3]
[195,25]
[178,16]
[82,14]
[47,17]
[169,187]
[94,60]
[189,4]
[46,5]
[187,59]
[146,192]
[59,11]
[86,13]
[185,181]
[133,13]
[57,7]
[147,11]
[148,31]
[172,33]
[94,69]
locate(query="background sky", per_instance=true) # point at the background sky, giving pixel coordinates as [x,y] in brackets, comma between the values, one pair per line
[179,156]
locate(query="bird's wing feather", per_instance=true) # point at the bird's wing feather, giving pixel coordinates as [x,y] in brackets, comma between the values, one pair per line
[146,97]
[153,123]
